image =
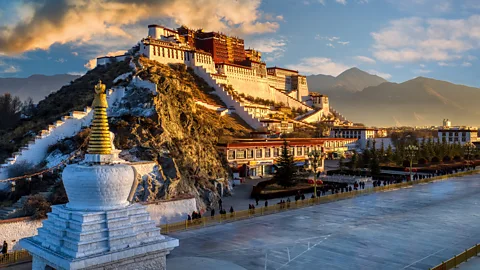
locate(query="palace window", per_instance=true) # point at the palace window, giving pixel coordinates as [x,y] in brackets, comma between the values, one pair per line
[259,153]
[267,152]
[231,154]
[276,152]
[163,52]
[168,52]
[249,153]
[299,151]
[240,154]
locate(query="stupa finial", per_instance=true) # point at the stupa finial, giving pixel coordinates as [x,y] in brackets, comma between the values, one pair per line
[100,142]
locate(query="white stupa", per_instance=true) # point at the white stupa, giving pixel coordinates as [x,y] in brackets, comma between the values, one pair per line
[99,228]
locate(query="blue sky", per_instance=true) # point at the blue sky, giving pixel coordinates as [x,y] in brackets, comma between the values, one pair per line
[398,40]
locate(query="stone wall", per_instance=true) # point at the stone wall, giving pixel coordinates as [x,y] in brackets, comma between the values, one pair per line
[12,230]
[171,211]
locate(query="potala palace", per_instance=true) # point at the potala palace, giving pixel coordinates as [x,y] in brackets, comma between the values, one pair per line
[239,76]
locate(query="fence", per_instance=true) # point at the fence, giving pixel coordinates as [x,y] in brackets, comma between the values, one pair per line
[458,259]
[14,257]
[244,214]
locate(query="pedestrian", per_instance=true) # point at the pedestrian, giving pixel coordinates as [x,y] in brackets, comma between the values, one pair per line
[5,247]
[212,212]
[350,188]
[256,200]
[220,203]
[189,218]
[313,196]
[303,197]
[266,203]
[231,210]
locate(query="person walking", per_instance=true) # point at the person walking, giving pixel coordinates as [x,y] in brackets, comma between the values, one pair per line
[256,200]
[220,203]
[266,203]
[212,212]
[5,247]
[231,210]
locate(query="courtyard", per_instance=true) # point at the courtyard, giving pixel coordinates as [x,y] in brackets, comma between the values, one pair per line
[411,228]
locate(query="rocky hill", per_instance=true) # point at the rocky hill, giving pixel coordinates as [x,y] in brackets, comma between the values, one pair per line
[167,126]
[36,86]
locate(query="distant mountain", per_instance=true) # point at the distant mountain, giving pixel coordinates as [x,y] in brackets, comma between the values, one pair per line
[351,80]
[35,86]
[420,101]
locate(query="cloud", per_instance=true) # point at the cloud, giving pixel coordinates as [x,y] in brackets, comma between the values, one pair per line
[423,7]
[398,66]
[422,65]
[319,65]
[79,22]
[343,2]
[10,69]
[75,53]
[466,64]
[422,71]
[330,45]
[444,64]
[471,58]
[365,59]
[343,42]
[386,76]
[61,60]
[76,73]
[92,63]
[271,48]
[416,39]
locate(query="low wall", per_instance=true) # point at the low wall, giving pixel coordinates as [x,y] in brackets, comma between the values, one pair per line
[162,212]
[12,230]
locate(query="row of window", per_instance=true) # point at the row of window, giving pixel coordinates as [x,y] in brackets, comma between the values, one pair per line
[179,54]
[454,133]
[269,152]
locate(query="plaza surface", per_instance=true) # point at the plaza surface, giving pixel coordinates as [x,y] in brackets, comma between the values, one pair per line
[411,228]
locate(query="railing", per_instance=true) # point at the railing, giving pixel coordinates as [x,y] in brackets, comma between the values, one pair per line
[458,259]
[14,257]
[244,214]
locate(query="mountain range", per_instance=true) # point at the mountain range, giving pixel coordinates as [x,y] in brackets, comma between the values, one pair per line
[417,102]
[36,86]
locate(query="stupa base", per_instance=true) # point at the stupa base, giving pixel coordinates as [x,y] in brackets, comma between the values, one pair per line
[124,238]
[152,256]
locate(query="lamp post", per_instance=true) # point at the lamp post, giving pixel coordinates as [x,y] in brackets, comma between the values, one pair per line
[411,151]
[315,157]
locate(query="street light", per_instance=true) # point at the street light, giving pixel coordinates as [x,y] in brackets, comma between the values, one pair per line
[315,157]
[411,151]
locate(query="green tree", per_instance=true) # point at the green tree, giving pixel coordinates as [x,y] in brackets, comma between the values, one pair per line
[366,156]
[341,163]
[389,154]
[286,174]
[353,162]
[374,165]
[381,152]
[10,108]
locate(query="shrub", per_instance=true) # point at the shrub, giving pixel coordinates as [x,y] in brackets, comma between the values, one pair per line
[435,160]
[21,168]
[37,207]
[457,158]
[446,159]
[406,163]
[422,161]
[59,195]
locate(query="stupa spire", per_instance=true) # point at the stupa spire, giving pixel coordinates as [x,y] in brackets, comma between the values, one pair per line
[100,142]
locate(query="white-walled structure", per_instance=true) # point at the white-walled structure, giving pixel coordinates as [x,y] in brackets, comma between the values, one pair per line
[363,134]
[461,135]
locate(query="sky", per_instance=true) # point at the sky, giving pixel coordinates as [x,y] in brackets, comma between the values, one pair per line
[397,40]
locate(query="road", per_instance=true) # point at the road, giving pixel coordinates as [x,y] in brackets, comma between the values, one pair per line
[412,228]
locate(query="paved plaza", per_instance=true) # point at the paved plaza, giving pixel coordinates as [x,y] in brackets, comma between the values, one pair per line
[411,228]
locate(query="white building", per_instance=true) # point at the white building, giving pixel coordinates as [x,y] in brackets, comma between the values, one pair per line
[363,134]
[460,135]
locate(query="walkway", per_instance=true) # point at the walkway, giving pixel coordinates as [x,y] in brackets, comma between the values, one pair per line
[414,228]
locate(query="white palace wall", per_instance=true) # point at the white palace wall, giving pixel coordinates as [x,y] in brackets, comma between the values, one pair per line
[12,230]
